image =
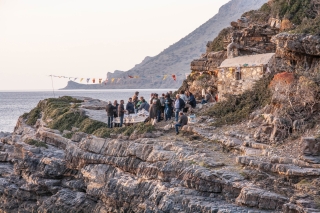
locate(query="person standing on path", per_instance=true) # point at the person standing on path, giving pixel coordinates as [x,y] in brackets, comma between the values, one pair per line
[110,113]
[183,120]
[121,112]
[162,101]
[130,106]
[135,100]
[178,106]
[115,111]
[168,107]
[158,107]
[153,111]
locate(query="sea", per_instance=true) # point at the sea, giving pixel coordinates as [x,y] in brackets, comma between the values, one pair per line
[14,103]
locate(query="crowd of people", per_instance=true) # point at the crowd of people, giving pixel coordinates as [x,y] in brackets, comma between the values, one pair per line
[160,107]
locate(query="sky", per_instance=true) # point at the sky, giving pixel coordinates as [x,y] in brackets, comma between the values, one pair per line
[82,38]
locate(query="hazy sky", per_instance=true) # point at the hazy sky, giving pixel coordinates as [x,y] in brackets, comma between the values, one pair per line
[82,38]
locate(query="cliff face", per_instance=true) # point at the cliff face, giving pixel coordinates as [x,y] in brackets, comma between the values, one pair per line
[90,174]
[176,58]
[204,169]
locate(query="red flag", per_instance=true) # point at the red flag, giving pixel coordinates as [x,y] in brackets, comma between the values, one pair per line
[174,77]
[130,76]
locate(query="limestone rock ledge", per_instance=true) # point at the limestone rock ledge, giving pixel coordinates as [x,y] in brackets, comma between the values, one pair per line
[111,175]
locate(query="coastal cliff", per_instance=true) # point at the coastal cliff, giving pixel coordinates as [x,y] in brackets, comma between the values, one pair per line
[255,151]
[58,159]
[44,171]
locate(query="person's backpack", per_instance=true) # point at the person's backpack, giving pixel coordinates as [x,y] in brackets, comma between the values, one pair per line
[182,103]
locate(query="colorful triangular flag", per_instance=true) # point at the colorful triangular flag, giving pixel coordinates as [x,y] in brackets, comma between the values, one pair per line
[164,77]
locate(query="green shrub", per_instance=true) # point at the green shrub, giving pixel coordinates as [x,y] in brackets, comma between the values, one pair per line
[68,135]
[89,126]
[33,116]
[203,77]
[238,108]
[294,10]
[67,120]
[218,43]
[36,143]
[144,128]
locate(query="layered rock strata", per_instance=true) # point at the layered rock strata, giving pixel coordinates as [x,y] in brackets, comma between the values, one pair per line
[90,174]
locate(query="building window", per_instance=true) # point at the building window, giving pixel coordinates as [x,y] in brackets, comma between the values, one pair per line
[237,75]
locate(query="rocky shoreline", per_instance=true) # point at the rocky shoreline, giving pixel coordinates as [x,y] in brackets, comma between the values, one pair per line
[206,169]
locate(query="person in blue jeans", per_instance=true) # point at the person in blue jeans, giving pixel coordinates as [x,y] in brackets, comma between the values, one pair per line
[167,107]
[110,112]
[178,105]
[183,120]
[121,112]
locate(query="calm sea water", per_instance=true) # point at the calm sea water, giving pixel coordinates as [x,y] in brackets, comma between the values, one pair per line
[15,103]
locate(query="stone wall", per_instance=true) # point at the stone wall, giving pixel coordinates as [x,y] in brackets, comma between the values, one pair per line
[228,83]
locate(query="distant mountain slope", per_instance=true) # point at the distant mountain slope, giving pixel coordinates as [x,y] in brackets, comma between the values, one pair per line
[177,57]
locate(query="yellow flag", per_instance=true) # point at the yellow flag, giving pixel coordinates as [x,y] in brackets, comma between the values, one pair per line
[164,77]
[112,80]
[81,79]
[136,76]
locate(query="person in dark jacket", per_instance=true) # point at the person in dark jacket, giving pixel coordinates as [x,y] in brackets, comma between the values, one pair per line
[162,101]
[158,106]
[168,107]
[183,120]
[115,111]
[110,113]
[130,106]
[121,112]
[178,106]
[191,104]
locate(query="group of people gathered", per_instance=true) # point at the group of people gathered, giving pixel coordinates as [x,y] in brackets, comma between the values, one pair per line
[160,107]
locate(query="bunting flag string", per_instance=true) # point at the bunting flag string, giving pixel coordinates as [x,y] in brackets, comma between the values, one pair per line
[117,80]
